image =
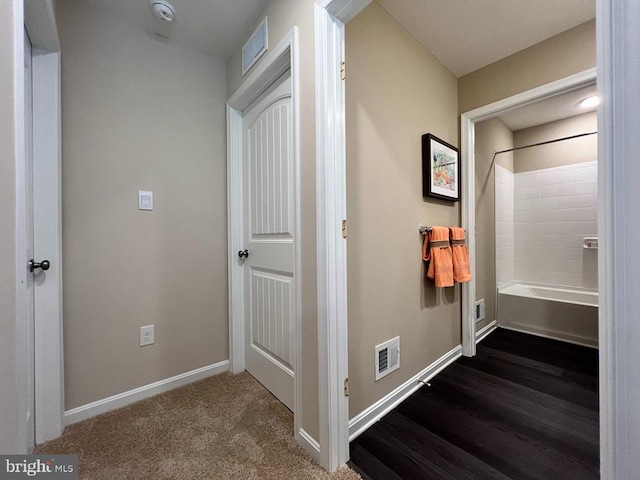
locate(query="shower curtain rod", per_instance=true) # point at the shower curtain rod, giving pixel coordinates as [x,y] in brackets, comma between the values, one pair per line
[544,143]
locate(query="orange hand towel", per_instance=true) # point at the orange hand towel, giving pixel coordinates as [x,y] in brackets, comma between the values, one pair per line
[461,269]
[437,252]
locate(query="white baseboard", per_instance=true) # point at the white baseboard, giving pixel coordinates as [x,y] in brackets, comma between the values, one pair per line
[485,331]
[375,412]
[310,444]
[126,398]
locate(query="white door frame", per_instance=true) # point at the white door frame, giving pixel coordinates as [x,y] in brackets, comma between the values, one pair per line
[330,18]
[468,204]
[282,58]
[618,60]
[39,20]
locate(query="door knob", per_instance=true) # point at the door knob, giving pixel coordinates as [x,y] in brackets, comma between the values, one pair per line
[44,265]
[243,253]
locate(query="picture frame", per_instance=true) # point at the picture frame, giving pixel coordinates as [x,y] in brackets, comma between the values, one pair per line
[440,169]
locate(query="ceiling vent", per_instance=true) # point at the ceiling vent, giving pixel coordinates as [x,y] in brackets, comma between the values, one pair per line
[387,357]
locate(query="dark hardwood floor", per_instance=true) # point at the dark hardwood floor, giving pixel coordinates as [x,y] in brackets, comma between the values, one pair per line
[524,407]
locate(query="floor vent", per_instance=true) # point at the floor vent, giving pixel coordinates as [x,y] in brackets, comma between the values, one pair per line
[387,357]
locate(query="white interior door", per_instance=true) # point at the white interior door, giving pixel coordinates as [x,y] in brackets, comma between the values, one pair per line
[269,240]
[30,338]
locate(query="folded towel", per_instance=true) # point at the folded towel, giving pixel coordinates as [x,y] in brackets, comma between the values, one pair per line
[437,252]
[460,252]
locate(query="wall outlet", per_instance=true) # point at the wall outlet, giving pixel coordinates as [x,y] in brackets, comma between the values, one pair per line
[480,310]
[147,335]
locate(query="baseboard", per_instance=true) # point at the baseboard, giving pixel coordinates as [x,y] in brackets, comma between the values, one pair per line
[310,444]
[485,331]
[126,398]
[361,422]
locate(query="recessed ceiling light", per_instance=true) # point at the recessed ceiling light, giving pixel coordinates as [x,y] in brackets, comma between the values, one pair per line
[589,102]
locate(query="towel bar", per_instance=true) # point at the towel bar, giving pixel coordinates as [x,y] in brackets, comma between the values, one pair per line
[423,229]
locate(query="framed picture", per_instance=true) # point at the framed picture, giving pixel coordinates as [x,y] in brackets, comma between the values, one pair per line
[440,169]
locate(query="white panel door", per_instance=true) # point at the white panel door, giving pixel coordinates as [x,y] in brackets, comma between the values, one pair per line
[269,231]
[30,346]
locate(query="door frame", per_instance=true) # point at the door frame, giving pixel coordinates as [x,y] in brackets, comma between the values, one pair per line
[467,203]
[39,20]
[333,368]
[282,58]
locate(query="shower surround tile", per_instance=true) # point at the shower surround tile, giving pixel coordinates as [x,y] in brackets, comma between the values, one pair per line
[548,229]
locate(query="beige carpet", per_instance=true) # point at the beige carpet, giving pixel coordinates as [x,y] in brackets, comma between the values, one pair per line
[228,426]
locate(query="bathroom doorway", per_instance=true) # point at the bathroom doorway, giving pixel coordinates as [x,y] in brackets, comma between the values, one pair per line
[486,240]
[536,211]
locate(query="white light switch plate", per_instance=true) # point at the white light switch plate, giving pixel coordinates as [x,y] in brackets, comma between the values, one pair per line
[145,200]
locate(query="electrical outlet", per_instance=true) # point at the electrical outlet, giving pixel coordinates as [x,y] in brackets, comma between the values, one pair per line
[147,335]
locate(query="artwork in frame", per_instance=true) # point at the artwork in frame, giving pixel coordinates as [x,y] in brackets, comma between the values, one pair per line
[440,169]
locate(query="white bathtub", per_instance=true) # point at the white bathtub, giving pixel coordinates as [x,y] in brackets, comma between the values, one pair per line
[563,313]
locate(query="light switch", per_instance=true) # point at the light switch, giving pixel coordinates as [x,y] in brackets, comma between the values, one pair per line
[145,200]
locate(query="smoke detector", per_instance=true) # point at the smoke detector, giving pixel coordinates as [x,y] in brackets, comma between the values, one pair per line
[163,10]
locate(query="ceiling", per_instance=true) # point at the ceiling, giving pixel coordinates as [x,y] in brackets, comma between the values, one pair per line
[466,35]
[217,28]
[550,110]
[463,34]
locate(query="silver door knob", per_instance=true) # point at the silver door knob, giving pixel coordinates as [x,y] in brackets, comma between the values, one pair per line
[243,253]
[44,265]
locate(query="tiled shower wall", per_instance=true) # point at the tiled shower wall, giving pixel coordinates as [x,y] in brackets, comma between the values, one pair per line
[505,232]
[555,209]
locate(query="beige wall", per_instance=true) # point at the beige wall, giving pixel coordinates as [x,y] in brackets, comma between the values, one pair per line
[282,16]
[565,54]
[139,113]
[569,152]
[8,395]
[395,92]
[491,135]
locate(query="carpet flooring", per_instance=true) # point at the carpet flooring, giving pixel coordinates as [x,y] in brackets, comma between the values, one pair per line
[224,427]
[524,407]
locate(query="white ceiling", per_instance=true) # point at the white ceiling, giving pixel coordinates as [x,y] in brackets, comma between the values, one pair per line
[550,110]
[463,34]
[215,27]
[468,34]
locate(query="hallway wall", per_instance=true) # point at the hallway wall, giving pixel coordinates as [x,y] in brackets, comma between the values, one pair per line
[565,54]
[139,113]
[396,91]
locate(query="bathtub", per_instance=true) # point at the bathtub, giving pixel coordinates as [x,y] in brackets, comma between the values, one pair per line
[563,313]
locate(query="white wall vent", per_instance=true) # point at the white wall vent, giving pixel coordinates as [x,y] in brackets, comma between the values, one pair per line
[387,357]
[480,310]
[255,46]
